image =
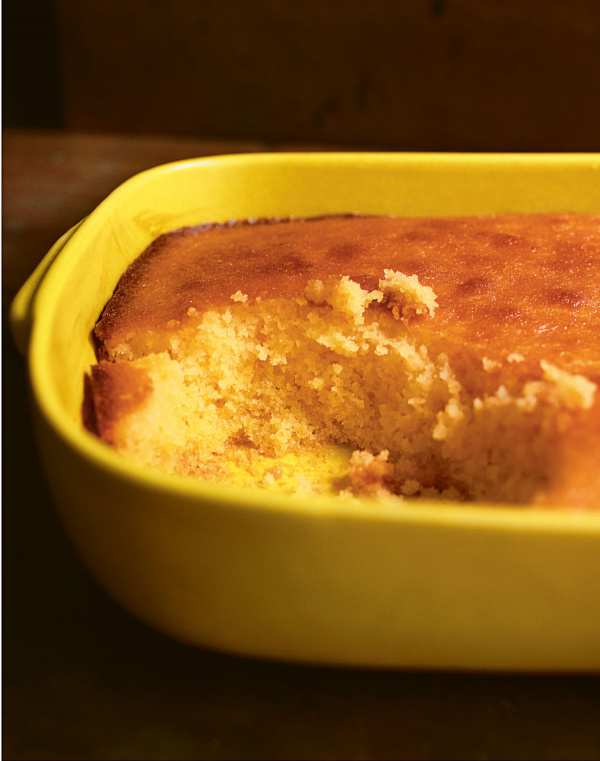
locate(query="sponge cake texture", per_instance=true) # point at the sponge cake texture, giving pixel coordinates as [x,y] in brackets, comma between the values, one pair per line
[394,358]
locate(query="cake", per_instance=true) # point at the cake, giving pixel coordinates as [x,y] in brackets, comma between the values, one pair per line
[362,356]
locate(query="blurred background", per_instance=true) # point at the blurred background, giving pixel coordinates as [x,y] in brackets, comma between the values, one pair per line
[442,75]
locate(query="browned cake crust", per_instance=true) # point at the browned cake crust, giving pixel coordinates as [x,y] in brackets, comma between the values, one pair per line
[521,286]
[509,283]
[118,388]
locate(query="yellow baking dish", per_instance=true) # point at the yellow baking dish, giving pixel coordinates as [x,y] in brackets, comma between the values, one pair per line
[306,579]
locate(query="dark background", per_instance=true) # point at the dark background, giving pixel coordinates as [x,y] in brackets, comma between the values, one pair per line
[97,90]
[440,75]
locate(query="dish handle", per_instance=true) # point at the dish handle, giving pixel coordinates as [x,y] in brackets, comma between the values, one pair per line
[21,309]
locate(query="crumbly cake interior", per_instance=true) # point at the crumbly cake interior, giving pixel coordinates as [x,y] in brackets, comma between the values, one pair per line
[340,389]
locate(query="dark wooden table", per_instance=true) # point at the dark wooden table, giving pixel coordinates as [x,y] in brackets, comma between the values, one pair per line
[84,680]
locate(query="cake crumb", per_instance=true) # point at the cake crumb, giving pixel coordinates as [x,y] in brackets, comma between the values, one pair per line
[571,391]
[343,295]
[489,365]
[370,473]
[407,293]
[410,487]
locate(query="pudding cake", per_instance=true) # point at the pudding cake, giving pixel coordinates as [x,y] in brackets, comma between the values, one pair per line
[365,356]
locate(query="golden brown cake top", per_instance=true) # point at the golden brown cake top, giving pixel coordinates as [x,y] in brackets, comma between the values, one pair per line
[519,284]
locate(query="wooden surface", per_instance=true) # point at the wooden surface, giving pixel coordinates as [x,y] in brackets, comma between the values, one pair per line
[84,680]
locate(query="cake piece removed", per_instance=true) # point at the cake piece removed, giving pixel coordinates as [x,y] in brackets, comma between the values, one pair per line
[452,358]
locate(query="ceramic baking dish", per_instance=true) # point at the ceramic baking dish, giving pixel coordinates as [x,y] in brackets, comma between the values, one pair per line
[306,579]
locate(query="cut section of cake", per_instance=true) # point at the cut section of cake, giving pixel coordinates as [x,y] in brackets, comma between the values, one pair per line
[394,358]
